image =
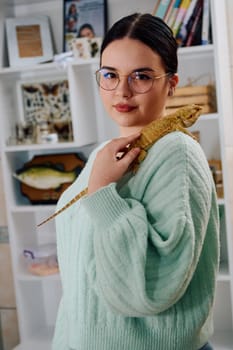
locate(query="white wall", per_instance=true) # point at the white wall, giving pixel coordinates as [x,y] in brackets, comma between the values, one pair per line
[3,221]
[229,5]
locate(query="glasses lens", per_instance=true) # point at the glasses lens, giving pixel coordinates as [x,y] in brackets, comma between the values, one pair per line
[107,79]
[141,82]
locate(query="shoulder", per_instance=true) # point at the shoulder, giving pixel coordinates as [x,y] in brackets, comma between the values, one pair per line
[181,149]
[176,149]
[178,141]
[176,161]
[175,174]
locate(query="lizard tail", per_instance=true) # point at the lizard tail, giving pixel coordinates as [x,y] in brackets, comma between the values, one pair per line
[72,201]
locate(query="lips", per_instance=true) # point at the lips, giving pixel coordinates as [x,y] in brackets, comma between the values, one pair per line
[124,108]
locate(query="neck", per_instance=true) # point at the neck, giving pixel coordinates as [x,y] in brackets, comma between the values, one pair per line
[127,131]
[130,130]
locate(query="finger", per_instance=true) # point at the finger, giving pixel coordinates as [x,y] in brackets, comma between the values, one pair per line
[120,154]
[130,156]
[122,142]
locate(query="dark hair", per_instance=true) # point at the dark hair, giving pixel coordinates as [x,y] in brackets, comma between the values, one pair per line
[85,26]
[151,31]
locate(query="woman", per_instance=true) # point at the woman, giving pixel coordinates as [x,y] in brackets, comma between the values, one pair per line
[138,255]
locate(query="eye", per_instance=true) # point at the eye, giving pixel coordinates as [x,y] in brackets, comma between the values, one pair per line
[141,76]
[108,75]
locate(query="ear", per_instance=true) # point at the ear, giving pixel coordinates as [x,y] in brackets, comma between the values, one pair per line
[173,81]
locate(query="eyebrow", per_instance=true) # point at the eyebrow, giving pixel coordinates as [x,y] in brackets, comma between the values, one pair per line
[141,69]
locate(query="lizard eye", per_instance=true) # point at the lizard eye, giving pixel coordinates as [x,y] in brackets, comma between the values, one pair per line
[187,122]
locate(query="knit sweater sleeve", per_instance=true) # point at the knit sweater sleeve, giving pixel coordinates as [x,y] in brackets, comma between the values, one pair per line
[147,245]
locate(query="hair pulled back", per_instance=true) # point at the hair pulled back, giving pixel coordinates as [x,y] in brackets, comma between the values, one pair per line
[151,31]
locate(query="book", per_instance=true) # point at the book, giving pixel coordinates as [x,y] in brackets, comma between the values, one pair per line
[169,10]
[180,16]
[205,22]
[155,7]
[183,28]
[197,24]
[174,11]
[191,21]
[196,40]
[162,8]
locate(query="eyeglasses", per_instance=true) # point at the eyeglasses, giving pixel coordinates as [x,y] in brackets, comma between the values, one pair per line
[139,81]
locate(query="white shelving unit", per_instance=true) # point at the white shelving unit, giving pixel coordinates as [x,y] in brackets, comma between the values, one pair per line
[38,297]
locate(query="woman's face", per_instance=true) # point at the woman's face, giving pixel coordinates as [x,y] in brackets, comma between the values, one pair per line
[87,33]
[129,109]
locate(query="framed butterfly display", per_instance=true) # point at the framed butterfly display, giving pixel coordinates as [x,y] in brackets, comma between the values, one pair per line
[46,105]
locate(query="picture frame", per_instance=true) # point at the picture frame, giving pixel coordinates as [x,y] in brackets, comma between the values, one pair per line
[83,18]
[44,111]
[22,50]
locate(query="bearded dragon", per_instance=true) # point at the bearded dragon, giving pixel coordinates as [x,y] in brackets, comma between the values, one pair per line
[177,121]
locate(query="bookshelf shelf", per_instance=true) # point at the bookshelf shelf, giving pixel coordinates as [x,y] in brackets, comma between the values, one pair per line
[44,67]
[224,274]
[193,50]
[26,277]
[45,147]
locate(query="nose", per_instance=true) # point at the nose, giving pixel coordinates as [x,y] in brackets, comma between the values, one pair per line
[123,88]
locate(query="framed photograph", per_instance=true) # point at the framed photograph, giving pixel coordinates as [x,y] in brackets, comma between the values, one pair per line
[44,106]
[84,18]
[28,40]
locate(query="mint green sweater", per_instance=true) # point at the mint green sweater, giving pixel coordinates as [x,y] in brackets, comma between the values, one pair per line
[139,259]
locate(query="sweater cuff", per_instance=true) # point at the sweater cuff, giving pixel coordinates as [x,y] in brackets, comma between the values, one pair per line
[105,205]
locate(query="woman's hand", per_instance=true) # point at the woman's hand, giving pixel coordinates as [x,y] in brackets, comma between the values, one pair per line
[109,166]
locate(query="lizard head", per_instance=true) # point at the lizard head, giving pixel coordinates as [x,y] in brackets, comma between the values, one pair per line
[189,114]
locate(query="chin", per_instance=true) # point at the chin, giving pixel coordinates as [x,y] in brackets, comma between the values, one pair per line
[124,119]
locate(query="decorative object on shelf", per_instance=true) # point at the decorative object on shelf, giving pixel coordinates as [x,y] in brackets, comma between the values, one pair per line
[83,18]
[62,59]
[29,40]
[45,107]
[216,169]
[41,260]
[45,177]
[203,95]
[84,48]
[25,132]
[45,133]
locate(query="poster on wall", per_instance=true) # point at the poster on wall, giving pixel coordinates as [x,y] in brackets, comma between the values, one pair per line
[83,18]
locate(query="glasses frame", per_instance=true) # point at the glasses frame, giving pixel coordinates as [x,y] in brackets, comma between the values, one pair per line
[128,79]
